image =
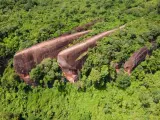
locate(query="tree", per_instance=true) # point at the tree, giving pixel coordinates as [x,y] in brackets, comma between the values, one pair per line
[10,116]
[158,7]
[156,96]
[99,77]
[46,72]
[144,99]
[123,81]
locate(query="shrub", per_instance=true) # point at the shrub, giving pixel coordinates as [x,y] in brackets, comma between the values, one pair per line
[10,116]
[10,79]
[98,77]
[144,99]
[158,7]
[156,96]
[46,72]
[123,81]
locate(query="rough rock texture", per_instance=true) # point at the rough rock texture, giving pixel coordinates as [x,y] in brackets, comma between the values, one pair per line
[27,59]
[67,58]
[117,67]
[135,59]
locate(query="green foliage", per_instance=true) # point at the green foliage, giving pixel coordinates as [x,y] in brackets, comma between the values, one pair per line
[156,96]
[10,79]
[97,78]
[29,4]
[101,93]
[158,7]
[145,99]
[123,81]
[46,73]
[9,116]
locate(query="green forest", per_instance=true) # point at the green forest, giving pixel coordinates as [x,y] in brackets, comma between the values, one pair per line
[100,93]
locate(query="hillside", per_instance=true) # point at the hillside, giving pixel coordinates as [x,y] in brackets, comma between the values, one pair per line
[100,93]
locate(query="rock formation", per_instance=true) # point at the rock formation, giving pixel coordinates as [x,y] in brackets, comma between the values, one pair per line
[68,58]
[135,59]
[28,58]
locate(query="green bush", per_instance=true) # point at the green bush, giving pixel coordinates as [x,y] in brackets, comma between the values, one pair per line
[9,116]
[46,73]
[156,96]
[24,23]
[158,7]
[144,99]
[10,79]
[123,81]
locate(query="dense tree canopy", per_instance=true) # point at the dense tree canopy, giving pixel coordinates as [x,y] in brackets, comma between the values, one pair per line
[100,93]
